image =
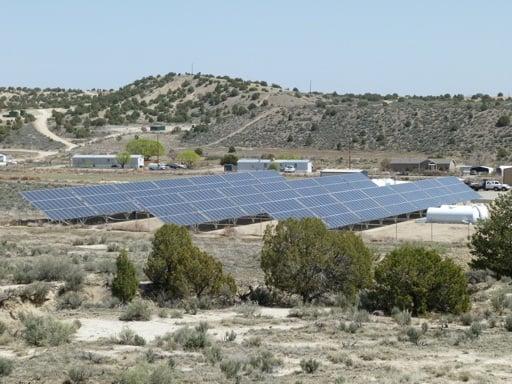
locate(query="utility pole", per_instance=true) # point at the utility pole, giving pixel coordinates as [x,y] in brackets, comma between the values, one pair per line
[349,152]
[158,152]
[310,87]
[192,68]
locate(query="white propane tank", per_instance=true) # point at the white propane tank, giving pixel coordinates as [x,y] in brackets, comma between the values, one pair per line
[457,214]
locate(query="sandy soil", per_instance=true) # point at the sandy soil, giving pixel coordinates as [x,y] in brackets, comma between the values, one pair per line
[41,125]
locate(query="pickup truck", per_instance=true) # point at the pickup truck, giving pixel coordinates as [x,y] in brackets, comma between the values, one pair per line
[489,185]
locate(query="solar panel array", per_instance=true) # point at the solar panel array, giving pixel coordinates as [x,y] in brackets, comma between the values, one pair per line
[340,200]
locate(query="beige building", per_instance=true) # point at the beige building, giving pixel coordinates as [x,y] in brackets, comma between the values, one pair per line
[422,165]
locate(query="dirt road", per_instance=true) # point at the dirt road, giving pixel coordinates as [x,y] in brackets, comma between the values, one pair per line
[244,127]
[41,125]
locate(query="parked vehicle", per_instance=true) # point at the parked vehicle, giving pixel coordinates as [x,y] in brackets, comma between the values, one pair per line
[157,166]
[289,169]
[177,166]
[490,185]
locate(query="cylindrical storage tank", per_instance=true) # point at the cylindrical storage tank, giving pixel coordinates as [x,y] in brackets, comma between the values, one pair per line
[453,214]
[483,211]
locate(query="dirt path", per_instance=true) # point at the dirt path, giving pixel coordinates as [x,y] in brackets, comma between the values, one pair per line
[244,127]
[32,154]
[41,125]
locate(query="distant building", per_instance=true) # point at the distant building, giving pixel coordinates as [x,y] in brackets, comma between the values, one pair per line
[157,128]
[422,165]
[301,166]
[481,170]
[105,161]
[3,160]
[340,171]
[506,175]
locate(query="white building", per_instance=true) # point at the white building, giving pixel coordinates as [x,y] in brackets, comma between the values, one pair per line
[301,166]
[105,161]
[3,160]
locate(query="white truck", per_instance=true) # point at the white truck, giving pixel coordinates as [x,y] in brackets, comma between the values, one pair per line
[490,185]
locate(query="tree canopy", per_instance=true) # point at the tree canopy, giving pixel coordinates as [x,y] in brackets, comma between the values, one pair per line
[123,158]
[180,269]
[302,257]
[491,242]
[125,283]
[420,280]
[145,147]
[188,157]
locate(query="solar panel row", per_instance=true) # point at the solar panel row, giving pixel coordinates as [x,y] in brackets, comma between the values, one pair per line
[339,200]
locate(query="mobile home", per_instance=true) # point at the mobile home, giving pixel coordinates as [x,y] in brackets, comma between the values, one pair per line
[105,161]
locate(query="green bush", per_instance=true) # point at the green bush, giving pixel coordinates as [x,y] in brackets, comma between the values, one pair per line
[229,159]
[265,361]
[43,331]
[6,366]
[137,310]
[503,121]
[490,244]
[125,282]
[79,375]
[309,365]
[192,338]
[302,257]
[180,269]
[69,300]
[231,367]
[128,337]
[508,323]
[419,280]
[145,147]
[36,292]
[74,279]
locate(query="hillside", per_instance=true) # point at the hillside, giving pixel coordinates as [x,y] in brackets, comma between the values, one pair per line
[222,111]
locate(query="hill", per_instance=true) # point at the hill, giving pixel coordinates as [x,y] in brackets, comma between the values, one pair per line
[222,111]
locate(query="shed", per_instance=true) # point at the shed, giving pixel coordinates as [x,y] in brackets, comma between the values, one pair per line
[506,176]
[420,165]
[3,160]
[105,161]
[301,166]
[253,164]
[340,171]
[481,170]
[157,128]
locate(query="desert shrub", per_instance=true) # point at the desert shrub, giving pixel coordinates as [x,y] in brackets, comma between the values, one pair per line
[466,318]
[503,121]
[162,374]
[413,335]
[253,341]
[6,366]
[264,361]
[125,282]
[128,337]
[490,244]
[3,328]
[46,330]
[508,323]
[78,375]
[180,269]
[74,279]
[302,257]
[230,336]
[36,292]
[402,318]
[213,354]
[231,367]
[229,159]
[309,365]
[419,280]
[475,330]
[69,300]
[137,310]
[44,269]
[192,338]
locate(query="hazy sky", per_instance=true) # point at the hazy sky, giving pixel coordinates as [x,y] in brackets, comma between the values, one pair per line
[408,47]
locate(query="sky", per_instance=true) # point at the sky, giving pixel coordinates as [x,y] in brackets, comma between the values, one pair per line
[408,47]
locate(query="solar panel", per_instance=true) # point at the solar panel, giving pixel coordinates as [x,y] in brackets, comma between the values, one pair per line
[339,200]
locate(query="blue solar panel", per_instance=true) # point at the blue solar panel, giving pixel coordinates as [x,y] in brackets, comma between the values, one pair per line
[271,187]
[329,210]
[312,191]
[187,201]
[350,195]
[357,205]
[315,201]
[206,205]
[341,220]
[303,183]
[59,203]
